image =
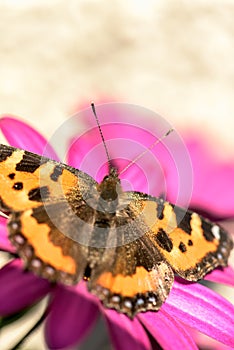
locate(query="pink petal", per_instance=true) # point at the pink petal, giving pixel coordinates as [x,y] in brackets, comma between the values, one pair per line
[5,244]
[21,135]
[170,333]
[205,342]
[90,157]
[165,169]
[70,319]
[222,275]
[126,333]
[228,225]
[207,165]
[81,289]
[19,288]
[202,309]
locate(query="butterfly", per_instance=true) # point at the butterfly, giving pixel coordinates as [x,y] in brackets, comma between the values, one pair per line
[127,245]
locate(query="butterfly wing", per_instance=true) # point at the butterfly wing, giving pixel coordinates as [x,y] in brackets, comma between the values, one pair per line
[40,195]
[134,278]
[156,239]
[44,247]
[190,244]
[27,180]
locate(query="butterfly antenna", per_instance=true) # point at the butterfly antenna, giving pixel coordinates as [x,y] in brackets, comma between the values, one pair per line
[147,150]
[102,137]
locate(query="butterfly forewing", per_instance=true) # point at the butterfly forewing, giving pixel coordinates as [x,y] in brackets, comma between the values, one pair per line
[192,245]
[30,180]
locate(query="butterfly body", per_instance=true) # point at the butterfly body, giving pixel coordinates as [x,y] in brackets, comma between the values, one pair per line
[127,245]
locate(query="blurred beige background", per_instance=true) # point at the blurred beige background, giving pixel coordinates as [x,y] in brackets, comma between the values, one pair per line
[174,57]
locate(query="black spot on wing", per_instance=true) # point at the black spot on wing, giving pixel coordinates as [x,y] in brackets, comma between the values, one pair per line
[208,235]
[30,162]
[18,186]
[190,242]
[5,152]
[183,219]
[164,240]
[56,173]
[39,194]
[182,247]
[11,176]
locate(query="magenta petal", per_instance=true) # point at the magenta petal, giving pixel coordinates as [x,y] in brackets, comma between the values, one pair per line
[224,276]
[89,156]
[5,244]
[19,289]
[207,165]
[71,317]
[128,131]
[202,309]
[87,153]
[126,333]
[205,342]
[170,333]
[21,135]
[228,225]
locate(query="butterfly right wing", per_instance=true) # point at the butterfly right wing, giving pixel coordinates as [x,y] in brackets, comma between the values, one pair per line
[189,243]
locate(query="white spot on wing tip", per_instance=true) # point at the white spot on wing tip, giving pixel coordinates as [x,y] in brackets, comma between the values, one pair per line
[216,231]
[128,304]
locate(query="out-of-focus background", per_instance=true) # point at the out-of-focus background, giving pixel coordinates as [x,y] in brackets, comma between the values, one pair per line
[174,57]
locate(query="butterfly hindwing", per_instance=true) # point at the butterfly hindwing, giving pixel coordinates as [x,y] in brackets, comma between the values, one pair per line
[135,279]
[45,249]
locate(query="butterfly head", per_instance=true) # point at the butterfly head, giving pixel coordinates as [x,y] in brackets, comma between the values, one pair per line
[110,186]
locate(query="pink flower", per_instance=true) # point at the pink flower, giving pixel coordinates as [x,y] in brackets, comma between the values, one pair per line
[72,310]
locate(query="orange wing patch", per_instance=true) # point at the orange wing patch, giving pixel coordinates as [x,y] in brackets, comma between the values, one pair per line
[141,282]
[37,236]
[141,291]
[45,250]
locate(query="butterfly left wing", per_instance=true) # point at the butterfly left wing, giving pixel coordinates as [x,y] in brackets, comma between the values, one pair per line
[39,234]
[27,180]
[38,194]
[190,244]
